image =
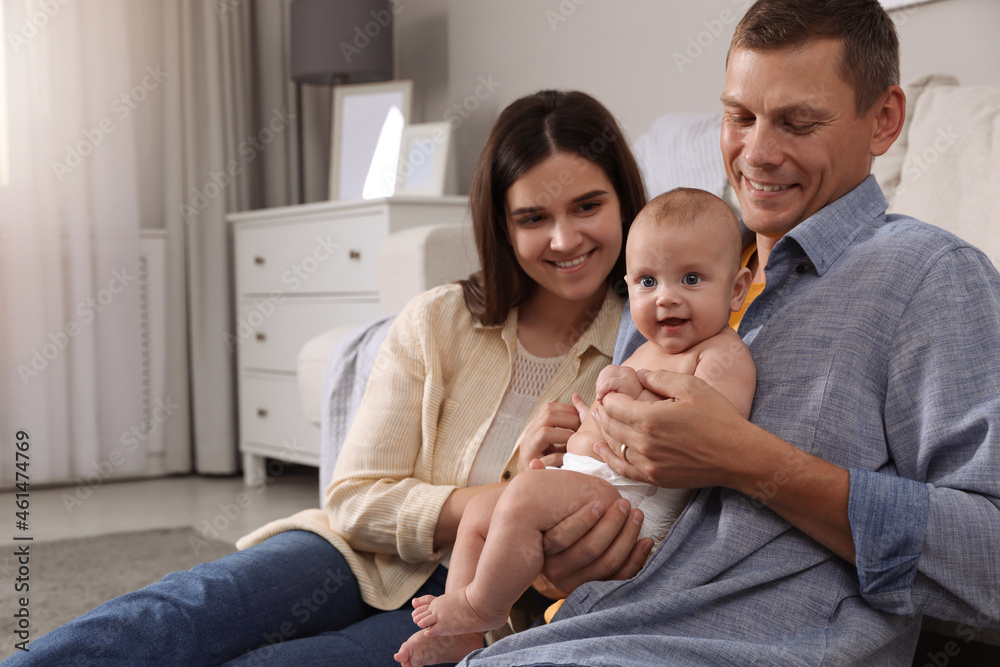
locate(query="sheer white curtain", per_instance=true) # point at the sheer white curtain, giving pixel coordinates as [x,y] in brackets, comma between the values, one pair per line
[207,171]
[69,261]
[119,113]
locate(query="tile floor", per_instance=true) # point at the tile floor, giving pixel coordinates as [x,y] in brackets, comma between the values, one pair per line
[224,503]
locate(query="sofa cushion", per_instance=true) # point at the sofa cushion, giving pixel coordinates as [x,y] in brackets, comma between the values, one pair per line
[888,167]
[682,150]
[951,170]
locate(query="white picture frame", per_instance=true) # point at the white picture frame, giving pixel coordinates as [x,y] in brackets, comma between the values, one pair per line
[368,122]
[424,154]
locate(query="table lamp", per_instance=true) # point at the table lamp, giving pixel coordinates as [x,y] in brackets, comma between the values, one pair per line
[335,42]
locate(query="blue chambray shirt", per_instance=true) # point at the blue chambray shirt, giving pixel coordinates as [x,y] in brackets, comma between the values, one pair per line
[877,344]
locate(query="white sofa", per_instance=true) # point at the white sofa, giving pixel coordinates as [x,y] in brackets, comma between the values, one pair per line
[943,169]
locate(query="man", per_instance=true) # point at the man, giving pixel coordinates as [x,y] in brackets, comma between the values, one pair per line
[864,491]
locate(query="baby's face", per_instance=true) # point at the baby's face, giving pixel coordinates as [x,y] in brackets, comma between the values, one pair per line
[680,284]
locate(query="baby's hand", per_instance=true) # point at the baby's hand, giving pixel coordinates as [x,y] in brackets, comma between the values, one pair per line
[621,379]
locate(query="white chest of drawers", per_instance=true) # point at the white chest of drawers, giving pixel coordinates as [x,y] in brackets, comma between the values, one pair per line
[300,271]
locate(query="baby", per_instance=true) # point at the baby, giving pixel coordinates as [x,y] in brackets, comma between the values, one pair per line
[684,279]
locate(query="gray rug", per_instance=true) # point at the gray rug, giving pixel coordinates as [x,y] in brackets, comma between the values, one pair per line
[70,577]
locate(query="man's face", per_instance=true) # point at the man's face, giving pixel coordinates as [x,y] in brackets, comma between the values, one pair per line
[791,139]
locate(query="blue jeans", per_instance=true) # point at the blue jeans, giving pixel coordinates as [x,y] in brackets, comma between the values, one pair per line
[291,600]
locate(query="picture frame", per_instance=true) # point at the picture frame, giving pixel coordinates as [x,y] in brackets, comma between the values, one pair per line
[368,122]
[889,5]
[424,157]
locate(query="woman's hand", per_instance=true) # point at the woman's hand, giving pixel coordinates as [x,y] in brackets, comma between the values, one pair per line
[545,437]
[594,544]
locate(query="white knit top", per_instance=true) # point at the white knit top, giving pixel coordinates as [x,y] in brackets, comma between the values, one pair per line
[528,377]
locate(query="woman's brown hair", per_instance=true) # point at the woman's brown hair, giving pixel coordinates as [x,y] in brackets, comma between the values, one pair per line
[530,130]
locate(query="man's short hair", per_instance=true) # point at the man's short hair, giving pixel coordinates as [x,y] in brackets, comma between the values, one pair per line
[870,58]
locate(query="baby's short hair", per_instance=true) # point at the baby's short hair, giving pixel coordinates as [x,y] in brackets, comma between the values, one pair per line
[694,206]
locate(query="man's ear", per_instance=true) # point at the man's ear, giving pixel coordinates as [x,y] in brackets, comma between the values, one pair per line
[741,285]
[888,118]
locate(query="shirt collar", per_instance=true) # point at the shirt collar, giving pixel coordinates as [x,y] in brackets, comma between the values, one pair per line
[825,235]
[603,332]
[600,334]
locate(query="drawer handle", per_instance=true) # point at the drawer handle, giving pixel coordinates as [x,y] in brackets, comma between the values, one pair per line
[262,413]
[354,254]
[261,336]
[258,260]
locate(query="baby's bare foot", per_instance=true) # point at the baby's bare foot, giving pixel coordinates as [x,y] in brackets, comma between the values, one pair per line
[420,650]
[421,609]
[453,614]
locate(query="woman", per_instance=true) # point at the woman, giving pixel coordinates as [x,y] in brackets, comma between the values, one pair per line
[462,369]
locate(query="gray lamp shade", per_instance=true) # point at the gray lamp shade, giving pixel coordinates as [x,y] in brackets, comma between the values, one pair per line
[333,39]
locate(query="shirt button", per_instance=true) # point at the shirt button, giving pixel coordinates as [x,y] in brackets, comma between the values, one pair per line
[801,268]
[506,475]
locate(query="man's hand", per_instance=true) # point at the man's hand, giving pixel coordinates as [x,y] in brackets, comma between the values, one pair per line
[689,440]
[696,438]
[545,437]
[594,544]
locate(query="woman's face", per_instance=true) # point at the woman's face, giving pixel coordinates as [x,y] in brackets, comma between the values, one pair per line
[564,222]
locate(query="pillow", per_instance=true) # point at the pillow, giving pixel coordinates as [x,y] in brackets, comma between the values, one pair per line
[682,150]
[951,170]
[888,167]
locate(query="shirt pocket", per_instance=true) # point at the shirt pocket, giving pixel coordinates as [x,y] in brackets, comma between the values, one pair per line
[790,397]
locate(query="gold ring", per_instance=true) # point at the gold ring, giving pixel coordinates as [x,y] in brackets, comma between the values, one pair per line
[622,453]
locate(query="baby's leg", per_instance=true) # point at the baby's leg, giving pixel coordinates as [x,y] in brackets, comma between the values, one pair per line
[471,536]
[512,556]
[420,649]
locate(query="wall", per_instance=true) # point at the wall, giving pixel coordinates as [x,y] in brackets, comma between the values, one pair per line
[642,58]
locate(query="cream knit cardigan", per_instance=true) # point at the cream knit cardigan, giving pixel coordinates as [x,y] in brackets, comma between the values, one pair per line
[437,383]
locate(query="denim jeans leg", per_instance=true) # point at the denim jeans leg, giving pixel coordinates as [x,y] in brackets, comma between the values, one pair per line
[295,584]
[368,643]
